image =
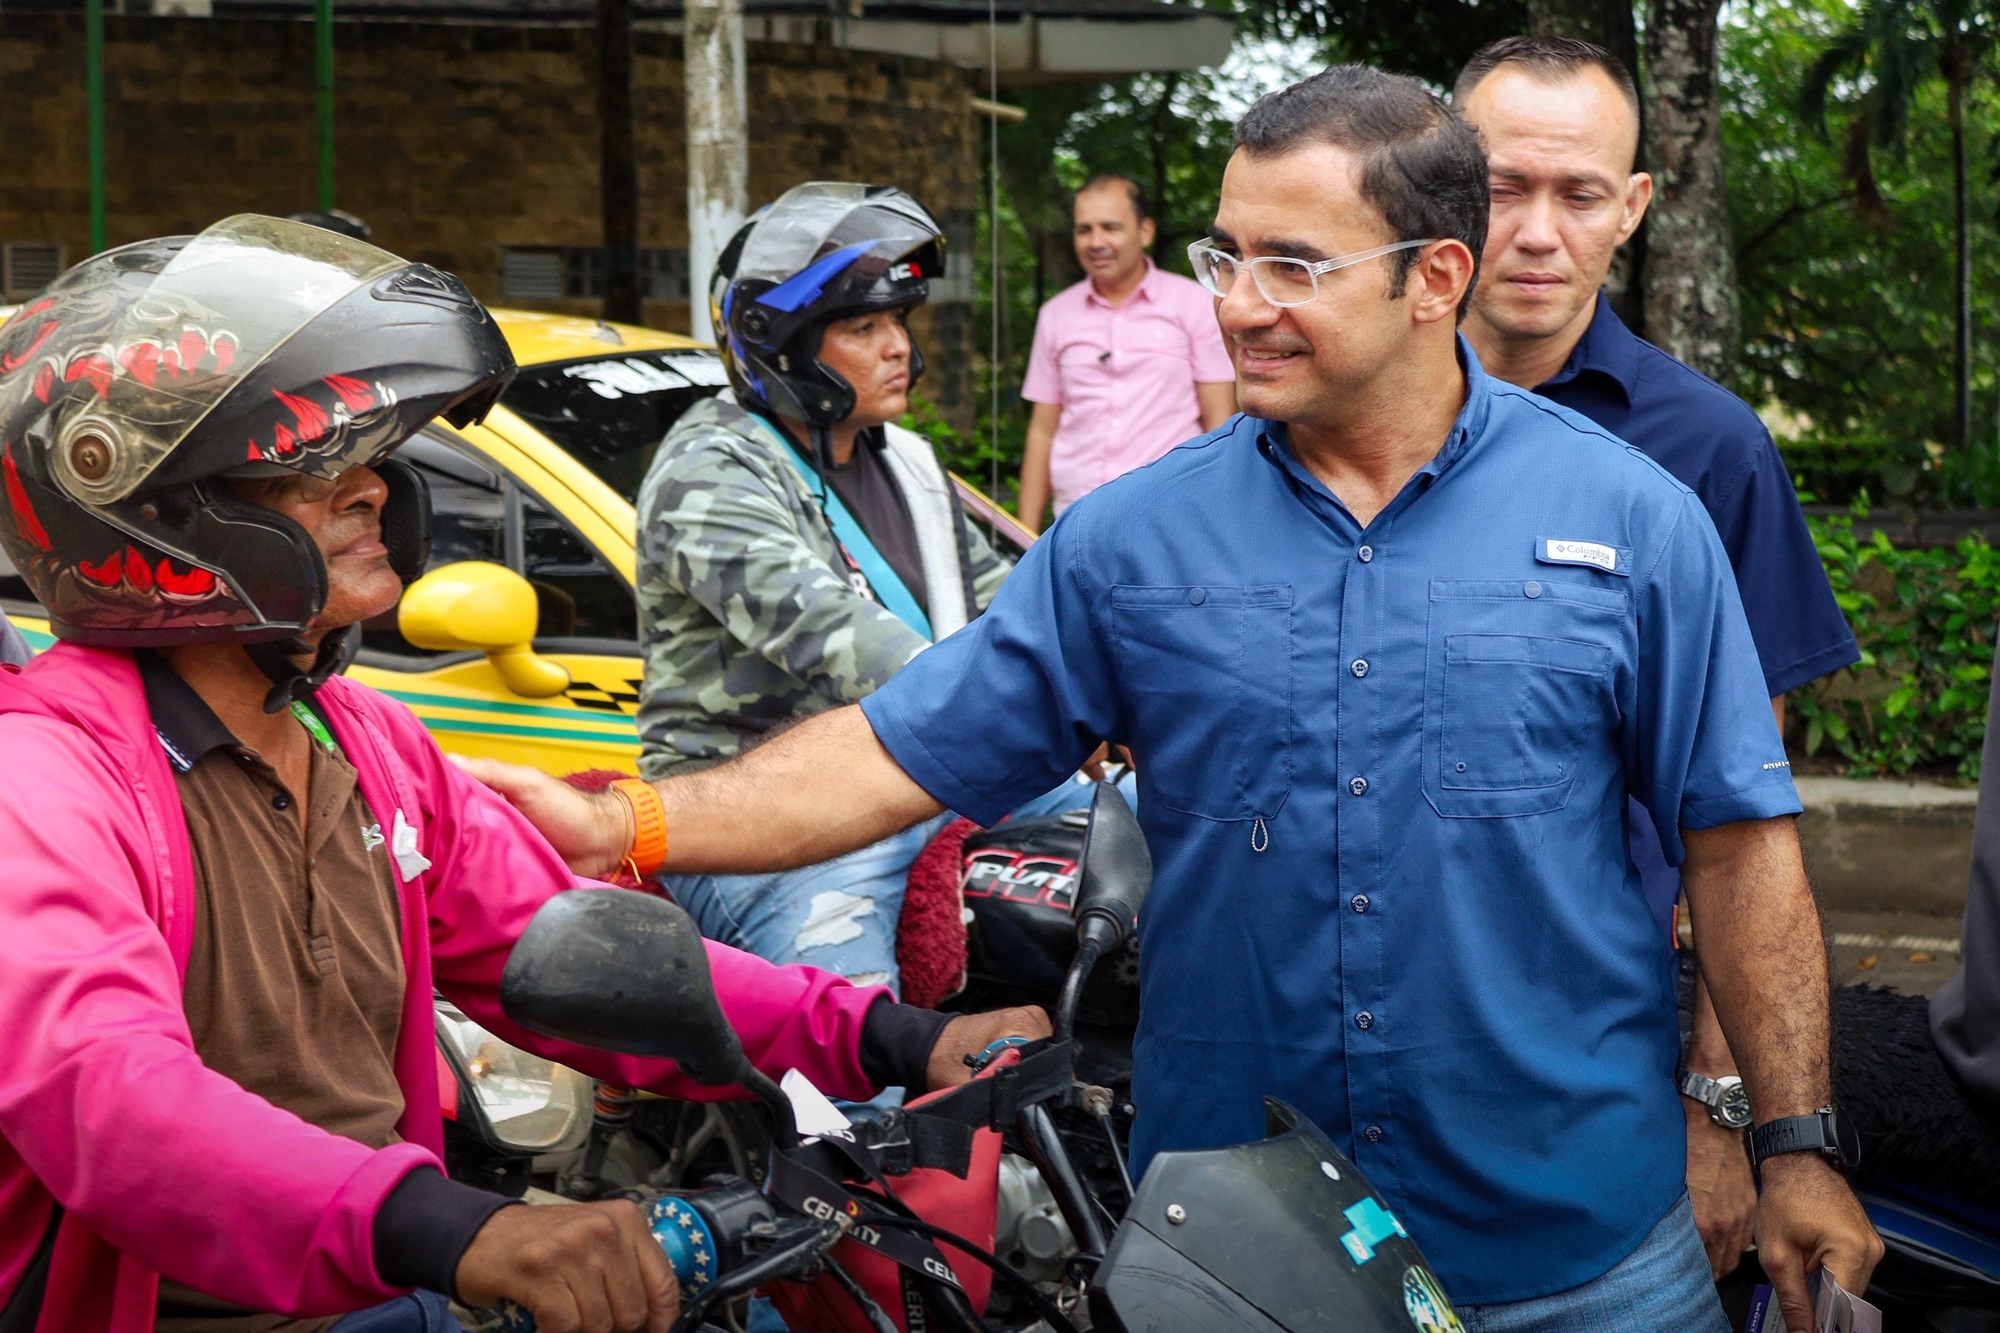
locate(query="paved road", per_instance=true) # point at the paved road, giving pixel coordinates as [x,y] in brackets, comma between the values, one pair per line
[1914,954]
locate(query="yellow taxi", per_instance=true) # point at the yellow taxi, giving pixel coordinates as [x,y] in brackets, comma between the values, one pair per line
[520,640]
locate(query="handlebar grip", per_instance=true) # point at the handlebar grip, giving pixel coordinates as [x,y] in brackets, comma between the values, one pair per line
[681,1231]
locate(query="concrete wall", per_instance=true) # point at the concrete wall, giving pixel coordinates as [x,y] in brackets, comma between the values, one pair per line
[1887,846]
[455,140]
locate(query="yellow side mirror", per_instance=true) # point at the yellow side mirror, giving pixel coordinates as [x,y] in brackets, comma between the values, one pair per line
[477,606]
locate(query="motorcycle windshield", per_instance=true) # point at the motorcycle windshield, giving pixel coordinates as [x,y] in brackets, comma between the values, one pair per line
[1287,1226]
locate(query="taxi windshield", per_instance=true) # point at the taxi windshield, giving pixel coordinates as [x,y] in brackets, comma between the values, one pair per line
[610,413]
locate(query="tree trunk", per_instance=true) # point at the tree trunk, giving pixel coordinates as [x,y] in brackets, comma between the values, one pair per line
[1611,25]
[718,153]
[1690,274]
[1608,23]
[1955,105]
[1163,111]
[618,155]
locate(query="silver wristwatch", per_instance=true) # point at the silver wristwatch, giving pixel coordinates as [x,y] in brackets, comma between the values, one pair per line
[1727,1100]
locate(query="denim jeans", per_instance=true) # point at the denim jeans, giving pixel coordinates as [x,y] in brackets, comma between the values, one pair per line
[840,915]
[419,1312]
[1664,1284]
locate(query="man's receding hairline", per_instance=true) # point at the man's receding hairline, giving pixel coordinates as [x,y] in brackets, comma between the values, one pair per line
[1538,72]
[1549,78]
[1125,186]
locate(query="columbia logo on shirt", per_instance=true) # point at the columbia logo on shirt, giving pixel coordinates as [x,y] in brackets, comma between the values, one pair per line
[1582,553]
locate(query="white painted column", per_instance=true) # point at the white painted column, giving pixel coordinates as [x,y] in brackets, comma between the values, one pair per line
[718,142]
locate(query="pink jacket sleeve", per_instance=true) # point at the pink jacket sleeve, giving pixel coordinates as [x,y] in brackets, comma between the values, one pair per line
[492,870]
[102,1096]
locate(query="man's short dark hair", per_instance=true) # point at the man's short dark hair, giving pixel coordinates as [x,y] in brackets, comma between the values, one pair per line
[1545,60]
[1420,164]
[1133,191]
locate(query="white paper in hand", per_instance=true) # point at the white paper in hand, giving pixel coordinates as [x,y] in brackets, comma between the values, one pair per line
[810,1107]
[1837,1311]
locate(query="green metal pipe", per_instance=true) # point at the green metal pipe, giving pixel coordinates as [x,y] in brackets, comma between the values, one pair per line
[323,87]
[93,65]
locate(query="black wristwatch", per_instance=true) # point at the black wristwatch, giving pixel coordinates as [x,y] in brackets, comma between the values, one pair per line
[1727,1100]
[1826,1132]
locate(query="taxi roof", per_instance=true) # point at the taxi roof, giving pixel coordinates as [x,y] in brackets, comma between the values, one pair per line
[539,338]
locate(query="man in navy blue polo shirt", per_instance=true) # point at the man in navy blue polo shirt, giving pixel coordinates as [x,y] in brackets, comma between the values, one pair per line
[1559,118]
[1391,651]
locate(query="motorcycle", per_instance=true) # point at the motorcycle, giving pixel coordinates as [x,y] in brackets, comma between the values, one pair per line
[520,1125]
[1280,1234]
[1930,1169]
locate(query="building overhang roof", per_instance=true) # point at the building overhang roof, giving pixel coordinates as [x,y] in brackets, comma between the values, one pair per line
[1035,41]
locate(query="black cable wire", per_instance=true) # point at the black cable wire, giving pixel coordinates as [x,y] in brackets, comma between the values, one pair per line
[1044,1307]
[778,1263]
[1117,1156]
[1072,988]
[877,1318]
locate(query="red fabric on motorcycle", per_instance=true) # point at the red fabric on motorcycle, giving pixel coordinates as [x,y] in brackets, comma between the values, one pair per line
[930,935]
[968,1208]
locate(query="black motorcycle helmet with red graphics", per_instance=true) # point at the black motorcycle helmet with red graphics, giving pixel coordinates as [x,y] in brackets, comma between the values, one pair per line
[145,380]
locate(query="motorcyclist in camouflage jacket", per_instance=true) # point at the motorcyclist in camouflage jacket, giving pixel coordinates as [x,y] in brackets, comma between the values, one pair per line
[746,607]
[796,550]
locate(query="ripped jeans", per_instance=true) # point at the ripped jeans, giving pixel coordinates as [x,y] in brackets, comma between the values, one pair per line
[840,915]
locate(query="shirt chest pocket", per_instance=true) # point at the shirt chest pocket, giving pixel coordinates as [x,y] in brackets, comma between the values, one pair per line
[1208,671]
[1520,682]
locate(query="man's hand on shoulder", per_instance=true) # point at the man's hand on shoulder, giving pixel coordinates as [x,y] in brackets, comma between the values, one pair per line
[577,1268]
[590,831]
[970,1034]
[1808,1219]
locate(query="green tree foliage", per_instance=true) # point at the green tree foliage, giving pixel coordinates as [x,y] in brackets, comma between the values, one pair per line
[1893,48]
[1848,310]
[1924,620]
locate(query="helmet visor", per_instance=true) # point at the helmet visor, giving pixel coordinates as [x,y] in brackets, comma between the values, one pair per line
[172,356]
[814,219]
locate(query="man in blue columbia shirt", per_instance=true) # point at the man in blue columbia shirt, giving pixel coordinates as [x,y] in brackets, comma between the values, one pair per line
[1390,651]
[1560,121]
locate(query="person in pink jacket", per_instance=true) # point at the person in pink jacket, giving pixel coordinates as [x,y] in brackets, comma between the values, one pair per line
[218,1095]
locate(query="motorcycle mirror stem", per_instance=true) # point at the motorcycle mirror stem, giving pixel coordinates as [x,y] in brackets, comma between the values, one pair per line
[625,971]
[1117,874]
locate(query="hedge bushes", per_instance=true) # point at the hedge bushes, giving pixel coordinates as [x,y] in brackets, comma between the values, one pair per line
[1925,622]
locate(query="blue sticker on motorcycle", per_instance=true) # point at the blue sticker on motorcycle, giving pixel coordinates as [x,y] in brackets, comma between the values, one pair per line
[1373,1224]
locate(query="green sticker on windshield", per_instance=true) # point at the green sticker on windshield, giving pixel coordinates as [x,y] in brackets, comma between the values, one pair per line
[1425,1300]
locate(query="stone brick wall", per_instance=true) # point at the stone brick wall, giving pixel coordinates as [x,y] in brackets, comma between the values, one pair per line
[455,140]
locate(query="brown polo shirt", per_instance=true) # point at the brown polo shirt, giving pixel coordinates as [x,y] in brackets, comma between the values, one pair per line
[295,980]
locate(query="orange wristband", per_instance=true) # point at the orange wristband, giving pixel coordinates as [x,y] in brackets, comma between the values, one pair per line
[649,825]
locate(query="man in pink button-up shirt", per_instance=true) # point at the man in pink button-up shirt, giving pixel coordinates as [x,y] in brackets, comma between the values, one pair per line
[1126,364]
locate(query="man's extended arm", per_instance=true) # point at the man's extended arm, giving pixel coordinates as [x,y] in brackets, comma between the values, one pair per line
[1035,454]
[1720,1183]
[817,790]
[1758,943]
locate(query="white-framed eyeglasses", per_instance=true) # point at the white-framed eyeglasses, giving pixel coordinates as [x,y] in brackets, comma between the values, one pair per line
[1281,281]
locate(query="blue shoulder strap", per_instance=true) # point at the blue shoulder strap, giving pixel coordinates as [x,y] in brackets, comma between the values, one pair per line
[889,587]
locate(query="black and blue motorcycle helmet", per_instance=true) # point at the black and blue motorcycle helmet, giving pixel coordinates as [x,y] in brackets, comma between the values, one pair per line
[823,252]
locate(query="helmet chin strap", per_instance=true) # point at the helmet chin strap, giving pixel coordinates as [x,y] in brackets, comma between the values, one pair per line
[822,452]
[279,661]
